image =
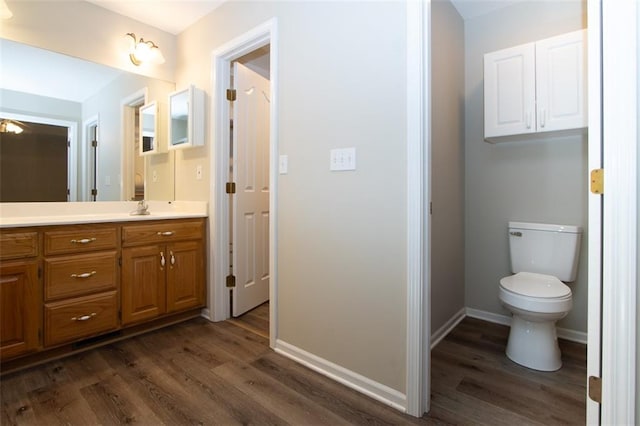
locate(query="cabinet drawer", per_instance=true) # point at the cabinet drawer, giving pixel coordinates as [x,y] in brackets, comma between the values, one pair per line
[79,274]
[79,239]
[74,319]
[165,231]
[16,245]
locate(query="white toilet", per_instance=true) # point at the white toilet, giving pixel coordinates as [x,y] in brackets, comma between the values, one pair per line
[542,257]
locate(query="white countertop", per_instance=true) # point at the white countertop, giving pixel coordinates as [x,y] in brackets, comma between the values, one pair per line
[14,215]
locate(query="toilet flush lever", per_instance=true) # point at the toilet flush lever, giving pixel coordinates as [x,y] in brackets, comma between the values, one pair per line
[516,233]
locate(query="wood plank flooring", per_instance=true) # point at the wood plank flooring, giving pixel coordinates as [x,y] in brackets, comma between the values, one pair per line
[207,373]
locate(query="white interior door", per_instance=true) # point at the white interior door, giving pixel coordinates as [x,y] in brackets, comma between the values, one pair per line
[250,172]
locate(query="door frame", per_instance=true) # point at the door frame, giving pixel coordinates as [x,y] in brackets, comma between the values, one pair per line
[620,209]
[221,58]
[594,280]
[127,175]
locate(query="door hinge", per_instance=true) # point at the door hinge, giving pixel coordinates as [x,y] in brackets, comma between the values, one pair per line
[94,143]
[595,389]
[597,181]
[231,280]
[231,187]
[231,95]
[94,192]
[68,144]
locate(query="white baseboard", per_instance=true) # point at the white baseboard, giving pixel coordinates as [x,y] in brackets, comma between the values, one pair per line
[563,333]
[442,332]
[371,388]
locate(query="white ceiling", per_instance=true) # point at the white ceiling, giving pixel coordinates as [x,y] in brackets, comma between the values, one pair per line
[172,16]
[473,8]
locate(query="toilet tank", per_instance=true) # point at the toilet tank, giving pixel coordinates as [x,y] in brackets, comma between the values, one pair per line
[545,249]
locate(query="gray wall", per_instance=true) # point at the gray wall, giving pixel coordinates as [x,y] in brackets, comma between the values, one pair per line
[537,181]
[447,163]
[341,236]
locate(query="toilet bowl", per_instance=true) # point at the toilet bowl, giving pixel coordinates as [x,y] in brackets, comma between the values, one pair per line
[543,258]
[536,301]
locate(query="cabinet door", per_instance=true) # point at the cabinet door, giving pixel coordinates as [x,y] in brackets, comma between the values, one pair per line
[185,276]
[19,308]
[509,91]
[561,82]
[143,283]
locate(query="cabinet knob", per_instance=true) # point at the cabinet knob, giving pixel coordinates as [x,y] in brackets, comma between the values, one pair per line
[172,258]
[84,275]
[162,261]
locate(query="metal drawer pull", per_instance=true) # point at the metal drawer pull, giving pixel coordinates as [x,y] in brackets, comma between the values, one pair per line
[83,241]
[166,233]
[84,317]
[85,275]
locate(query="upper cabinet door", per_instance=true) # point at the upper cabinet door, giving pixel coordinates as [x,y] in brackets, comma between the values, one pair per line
[561,82]
[509,91]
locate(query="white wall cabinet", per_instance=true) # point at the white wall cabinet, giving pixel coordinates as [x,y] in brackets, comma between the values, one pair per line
[186,118]
[536,88]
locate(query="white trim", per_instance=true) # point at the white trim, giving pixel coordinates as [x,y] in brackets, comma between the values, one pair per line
[443,331]
[351,379]
[72,152]
[218,303]
[417,378]
[563,333]
[594,280]
[619,241]
[85,155]
[127,178]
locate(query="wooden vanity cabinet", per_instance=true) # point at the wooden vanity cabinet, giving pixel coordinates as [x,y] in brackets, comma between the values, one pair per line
[19,293]
[65,287]
[80,282]
[162,268]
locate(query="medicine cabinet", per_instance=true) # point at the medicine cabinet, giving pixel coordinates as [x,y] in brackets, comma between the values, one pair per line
[186,118]
[536,88]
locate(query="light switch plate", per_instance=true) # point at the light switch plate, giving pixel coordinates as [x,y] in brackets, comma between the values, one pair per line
[342,159]
[283,165]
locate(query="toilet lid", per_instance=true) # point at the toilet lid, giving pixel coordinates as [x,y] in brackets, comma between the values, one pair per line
[535,285]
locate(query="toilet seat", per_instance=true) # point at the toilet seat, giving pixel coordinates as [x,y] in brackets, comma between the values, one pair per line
[535,293]
[535,285]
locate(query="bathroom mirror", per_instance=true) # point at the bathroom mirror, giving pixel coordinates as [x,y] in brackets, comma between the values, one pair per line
[100,106]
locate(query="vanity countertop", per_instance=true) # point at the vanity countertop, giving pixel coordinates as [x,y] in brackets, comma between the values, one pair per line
[13,215]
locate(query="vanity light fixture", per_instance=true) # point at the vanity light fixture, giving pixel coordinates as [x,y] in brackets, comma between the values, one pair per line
[10,126]
[141,51]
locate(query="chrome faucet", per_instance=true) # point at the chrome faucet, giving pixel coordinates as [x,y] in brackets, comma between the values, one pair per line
[142,209]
